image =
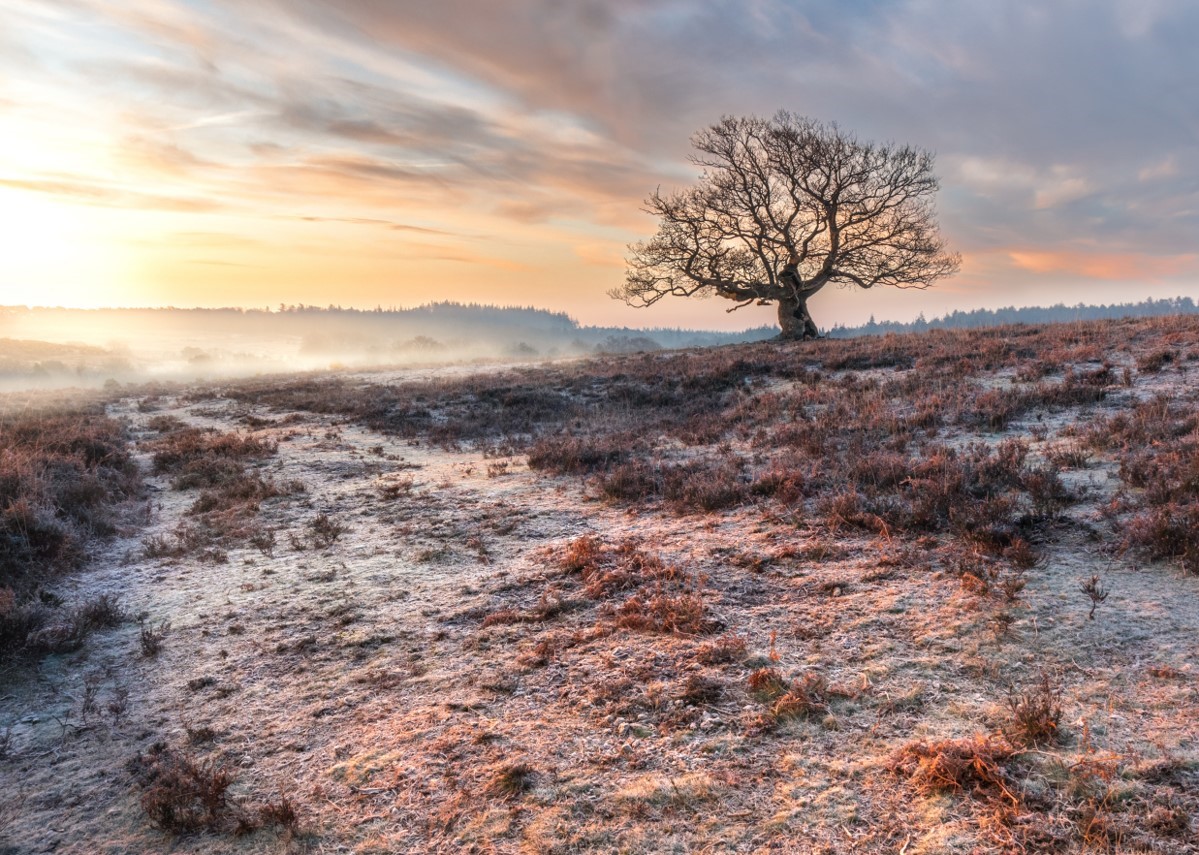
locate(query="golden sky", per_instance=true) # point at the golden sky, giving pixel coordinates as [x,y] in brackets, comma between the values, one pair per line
[358,153]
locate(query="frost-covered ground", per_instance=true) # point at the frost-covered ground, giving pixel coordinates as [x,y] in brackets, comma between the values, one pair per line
[422,644]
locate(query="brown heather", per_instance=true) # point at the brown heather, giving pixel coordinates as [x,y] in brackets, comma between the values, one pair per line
[926,593]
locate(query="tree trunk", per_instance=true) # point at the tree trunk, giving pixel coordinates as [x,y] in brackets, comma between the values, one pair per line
[794,320]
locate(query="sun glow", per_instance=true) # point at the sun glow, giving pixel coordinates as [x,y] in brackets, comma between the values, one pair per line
[55,248]
[50,253]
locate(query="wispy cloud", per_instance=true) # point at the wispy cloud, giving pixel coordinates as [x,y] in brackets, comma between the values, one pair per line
[1106,265]
[370,221]
[86,192]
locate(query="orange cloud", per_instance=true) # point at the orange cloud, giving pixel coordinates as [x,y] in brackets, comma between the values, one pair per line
[601,254]
[1104,265]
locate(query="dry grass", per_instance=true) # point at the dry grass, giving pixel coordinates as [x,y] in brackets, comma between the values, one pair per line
[218,465]
[973,766]
[660,610]
[730,589]
[65,475]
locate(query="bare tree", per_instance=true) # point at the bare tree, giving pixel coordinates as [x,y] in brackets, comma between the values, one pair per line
[783,207]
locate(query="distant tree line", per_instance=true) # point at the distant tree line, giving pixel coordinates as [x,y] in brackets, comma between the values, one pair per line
[1027,315]
[447,328]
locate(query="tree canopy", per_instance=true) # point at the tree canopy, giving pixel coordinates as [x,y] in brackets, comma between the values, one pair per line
[785,206]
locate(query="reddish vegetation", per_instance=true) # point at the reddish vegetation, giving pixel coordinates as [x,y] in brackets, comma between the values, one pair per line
[64,474]
[927,593]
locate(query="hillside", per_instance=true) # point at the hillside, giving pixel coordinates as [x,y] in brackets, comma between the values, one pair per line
[924,593]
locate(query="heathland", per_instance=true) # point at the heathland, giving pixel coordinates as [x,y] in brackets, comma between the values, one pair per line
[922,593]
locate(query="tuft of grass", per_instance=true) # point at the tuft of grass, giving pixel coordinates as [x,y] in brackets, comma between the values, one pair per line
[723,649]
[583,555]
[102,612]
[804,697]
[767,684]
[280,813]
[510,780]
[659,610]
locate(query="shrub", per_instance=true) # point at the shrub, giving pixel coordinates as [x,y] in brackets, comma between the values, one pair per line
[103,612]
[1045,489]
[324,531]
[53,636]
[35,628]
[576,455]
[633,481]
[1167,531]
[1155,361]
[264,541]
[699,690]
[1036,713]
[240,491]
[202,455]
[150,638]
[180,794]
[161,546]
[62,476]
[703,486]
[781,482]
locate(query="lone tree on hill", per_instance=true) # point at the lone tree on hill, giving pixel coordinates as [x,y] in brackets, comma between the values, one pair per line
[783,207]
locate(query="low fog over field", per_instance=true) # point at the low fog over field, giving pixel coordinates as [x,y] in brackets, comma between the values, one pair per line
[76,347]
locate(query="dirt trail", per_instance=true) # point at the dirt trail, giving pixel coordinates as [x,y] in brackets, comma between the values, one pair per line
[275,655]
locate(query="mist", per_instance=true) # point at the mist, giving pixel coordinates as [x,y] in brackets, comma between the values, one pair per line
[55,348]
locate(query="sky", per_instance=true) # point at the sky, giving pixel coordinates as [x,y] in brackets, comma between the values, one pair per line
[369,153]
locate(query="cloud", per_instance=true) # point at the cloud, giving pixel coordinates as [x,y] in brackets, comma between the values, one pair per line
[144,152]
[1035,87]
[494,262]
[601,254]
[222,240]
[1061,186]
[371,221]
[84,191]
[1131,267]
[1165,167]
